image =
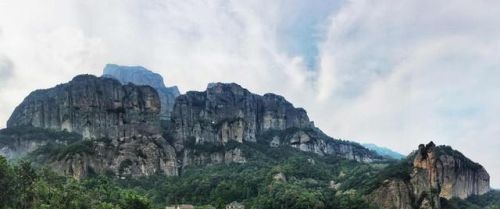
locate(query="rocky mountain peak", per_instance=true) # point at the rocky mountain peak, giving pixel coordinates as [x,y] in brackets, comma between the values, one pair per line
[228,112]
[435,172]
[226,88]
[134,74]
[91,106]
[120,125]
[141,76]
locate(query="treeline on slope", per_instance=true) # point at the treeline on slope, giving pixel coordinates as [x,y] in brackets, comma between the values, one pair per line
[307,182]
[13,134]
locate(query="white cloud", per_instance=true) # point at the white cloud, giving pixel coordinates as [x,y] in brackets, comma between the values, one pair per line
[406,72]
[396,73]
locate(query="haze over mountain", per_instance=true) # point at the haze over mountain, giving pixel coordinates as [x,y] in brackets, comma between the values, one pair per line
[384,151]
[374,70]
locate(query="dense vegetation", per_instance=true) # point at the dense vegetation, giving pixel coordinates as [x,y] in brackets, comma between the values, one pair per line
[281,177]
[15,134]
[447,150]
[490,200]
[307,182]
[24,187]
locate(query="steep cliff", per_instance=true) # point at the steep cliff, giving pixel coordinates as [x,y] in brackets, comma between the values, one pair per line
[228,112]
[125,117]
[435,174]
[141,76]
[93,107]
[451,172]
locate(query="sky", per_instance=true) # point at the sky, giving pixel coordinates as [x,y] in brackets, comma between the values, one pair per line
[393,73]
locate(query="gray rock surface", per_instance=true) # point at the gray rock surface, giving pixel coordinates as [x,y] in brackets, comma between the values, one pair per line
[437,172]
[141,76]
[101,109]
[226,112]
[93,107]
[451,172]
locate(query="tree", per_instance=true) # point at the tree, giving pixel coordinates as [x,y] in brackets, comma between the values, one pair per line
[6,183]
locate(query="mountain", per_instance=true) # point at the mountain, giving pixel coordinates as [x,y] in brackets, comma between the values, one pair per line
[122,133]
[228,112]
[384,151]
[428,177]
[141,76]
[119,127]
[217,146]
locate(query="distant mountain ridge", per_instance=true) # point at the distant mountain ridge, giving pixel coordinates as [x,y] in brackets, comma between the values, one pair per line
[139,75]
[384,151]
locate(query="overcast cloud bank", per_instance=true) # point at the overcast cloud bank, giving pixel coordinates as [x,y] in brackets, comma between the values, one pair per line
[391,73]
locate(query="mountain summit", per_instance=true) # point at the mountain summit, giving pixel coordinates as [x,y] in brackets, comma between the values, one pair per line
[139,75]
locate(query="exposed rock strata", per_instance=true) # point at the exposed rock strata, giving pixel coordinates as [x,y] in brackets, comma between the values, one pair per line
[93,107]
[227,112]
[436,172]
[102,109]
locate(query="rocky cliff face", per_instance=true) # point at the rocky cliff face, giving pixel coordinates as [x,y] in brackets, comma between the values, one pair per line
[93,107]
[436,173]
[450,172]
[141,76]
[122,126]
[228,112]
[140,156]
[126,116]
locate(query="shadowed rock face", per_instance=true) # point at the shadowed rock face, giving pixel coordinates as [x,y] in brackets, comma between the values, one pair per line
[437,172]
[226,112]
[141,76]
[93,107]
[102,109]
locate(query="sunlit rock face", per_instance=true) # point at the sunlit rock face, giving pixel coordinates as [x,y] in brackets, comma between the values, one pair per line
[451,172]
[141,76]
[127,117]
[436,172]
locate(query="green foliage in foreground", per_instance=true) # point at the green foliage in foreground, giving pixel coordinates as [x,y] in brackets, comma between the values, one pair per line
[24,187]
[307,185]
